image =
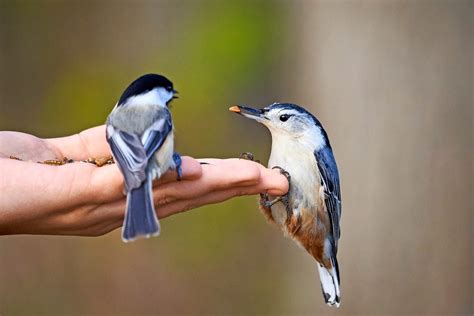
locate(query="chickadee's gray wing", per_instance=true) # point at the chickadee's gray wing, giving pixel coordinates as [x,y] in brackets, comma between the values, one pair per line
[156,134]
[130,156]
[330,181]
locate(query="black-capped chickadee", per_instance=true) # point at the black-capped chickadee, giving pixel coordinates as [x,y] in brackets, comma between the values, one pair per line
[311,210]
[140,134]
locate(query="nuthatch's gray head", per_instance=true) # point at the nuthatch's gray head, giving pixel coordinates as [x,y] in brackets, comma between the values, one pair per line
[150,89]
[286,120]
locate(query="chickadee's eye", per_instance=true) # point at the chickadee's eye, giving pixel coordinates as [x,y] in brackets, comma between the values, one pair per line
[169,89]
[284,117]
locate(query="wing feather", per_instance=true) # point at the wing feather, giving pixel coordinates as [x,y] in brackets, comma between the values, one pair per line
[130,156]
[330,182]
[132,152]
[155,136]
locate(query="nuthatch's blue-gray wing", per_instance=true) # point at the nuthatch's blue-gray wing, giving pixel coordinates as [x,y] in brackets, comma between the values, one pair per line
[130,156]
[330,181]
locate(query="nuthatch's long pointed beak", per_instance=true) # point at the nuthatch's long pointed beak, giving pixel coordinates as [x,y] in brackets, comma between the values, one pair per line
[251,113]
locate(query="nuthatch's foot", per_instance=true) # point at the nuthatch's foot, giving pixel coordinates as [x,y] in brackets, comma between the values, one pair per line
[284,198]
[284,172]
[266,203]
[265,210]
[248,156]
[177,163]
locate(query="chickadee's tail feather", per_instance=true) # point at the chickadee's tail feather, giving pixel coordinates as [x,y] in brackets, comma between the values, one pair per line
[330,283]
[140,217]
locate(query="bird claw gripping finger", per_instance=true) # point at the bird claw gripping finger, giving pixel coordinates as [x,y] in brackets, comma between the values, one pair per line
[284,198]
[266,203]
[284,173]
[178,162]
[248,156]
[264,199]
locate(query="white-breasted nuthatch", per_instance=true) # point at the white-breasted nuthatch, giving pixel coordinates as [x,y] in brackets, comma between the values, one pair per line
[140,134]
[311,210]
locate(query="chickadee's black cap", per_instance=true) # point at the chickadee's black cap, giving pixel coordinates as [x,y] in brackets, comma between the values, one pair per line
[144,84]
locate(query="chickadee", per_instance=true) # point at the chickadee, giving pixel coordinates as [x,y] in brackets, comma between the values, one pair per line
[311,210]
[140,134]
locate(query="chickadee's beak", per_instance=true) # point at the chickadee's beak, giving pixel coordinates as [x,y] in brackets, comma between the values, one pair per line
[175,94]
[251,113]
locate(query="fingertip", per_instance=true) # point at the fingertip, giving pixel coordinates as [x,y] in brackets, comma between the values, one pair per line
[274,182]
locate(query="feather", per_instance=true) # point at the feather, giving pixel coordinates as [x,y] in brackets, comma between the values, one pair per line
[330,182]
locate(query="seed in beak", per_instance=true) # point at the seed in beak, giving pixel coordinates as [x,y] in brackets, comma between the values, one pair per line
[235,109]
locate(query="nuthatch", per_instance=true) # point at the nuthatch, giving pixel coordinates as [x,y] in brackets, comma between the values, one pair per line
[311,210]
[140,134]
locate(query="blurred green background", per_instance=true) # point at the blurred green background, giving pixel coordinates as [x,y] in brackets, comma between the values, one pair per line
[391,82]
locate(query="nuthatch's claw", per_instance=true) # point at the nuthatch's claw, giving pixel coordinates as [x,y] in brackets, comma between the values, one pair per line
[177,163]
[248,156]
[264,200]
[266,203]
[284,198]
[284,172]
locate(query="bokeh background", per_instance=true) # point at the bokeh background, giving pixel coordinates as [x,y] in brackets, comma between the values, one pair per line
[391,81]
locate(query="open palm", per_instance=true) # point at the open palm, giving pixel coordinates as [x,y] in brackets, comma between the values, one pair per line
[83,199]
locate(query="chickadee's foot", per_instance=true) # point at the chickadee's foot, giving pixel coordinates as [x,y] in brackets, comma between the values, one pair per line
[177,163]
[248,156]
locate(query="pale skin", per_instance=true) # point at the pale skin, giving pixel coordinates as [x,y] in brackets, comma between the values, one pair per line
[85,200]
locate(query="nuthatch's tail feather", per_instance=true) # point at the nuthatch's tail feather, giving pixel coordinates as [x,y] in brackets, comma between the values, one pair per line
[330,283]
[140,216]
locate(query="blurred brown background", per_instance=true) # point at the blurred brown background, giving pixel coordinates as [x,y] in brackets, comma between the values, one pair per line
[391,81]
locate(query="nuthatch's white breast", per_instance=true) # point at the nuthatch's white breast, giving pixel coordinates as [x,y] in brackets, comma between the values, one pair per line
[311,210]
[140,134]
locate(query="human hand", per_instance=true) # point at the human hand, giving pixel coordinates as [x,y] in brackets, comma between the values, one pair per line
[83,199]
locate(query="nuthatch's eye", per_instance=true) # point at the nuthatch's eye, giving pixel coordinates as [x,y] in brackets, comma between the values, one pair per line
[285,117]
